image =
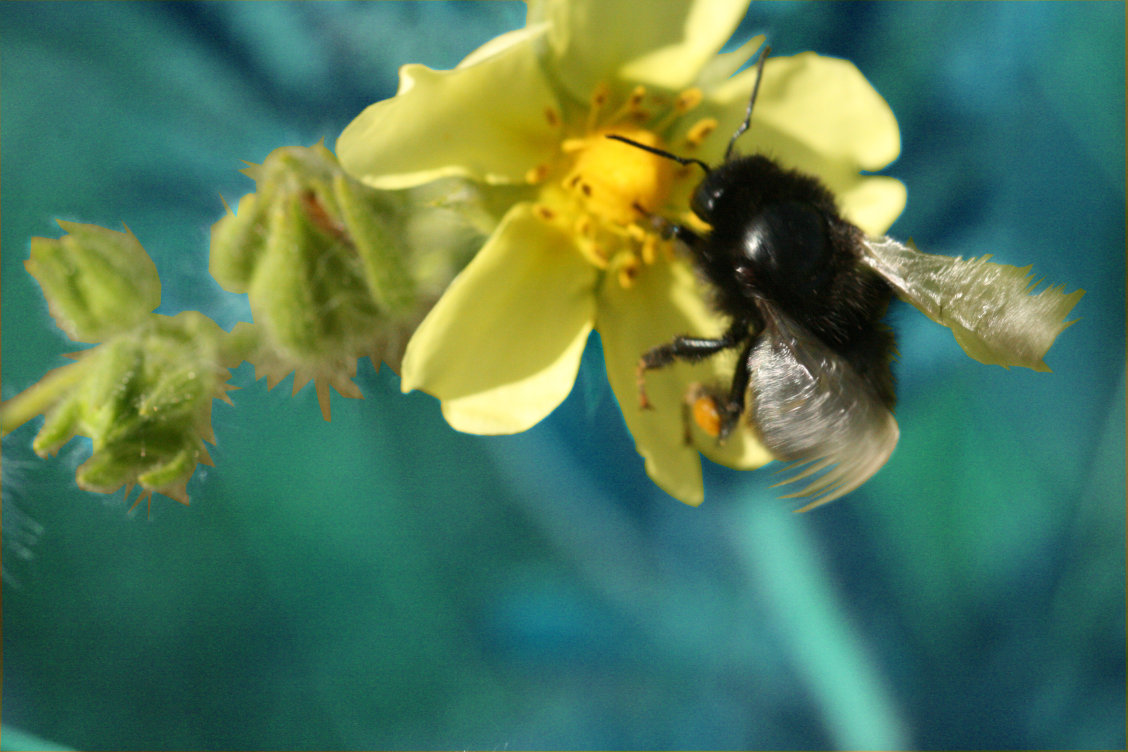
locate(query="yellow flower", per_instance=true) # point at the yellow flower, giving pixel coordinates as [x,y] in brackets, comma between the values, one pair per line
[526,117]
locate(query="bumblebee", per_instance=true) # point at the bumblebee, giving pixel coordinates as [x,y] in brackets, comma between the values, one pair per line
[804,291]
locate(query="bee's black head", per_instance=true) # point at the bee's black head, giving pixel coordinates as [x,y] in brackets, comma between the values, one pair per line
[771,226]
[734,186]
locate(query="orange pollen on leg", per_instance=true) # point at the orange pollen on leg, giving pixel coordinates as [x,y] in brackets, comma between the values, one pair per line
[705,413]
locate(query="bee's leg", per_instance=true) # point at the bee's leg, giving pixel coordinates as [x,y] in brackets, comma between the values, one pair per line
[689,349]
[682,234]
[672,231]
[733,407]
[701,406]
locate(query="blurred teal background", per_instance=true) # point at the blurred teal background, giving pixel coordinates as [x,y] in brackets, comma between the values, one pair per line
[381,581]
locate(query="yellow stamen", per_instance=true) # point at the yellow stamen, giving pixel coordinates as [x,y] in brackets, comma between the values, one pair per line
[700,131]
[650,248]
[572,145]
[594,253]
[598,99]
[626,267]
[536,174]
[585,227]
[611,188]
[683,103]
[614,179]
[687,100]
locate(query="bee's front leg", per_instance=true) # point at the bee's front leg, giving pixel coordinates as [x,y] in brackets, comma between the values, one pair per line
[673,231]
[689,349]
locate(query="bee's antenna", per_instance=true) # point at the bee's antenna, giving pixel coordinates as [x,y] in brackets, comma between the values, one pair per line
[659,152]
[751,101]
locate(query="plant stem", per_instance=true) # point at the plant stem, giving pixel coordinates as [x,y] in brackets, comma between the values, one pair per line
[41,396]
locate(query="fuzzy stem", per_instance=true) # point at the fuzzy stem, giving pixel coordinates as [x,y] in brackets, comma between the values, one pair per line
[41,396]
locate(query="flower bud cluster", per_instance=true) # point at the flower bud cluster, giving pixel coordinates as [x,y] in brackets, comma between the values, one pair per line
[143,396]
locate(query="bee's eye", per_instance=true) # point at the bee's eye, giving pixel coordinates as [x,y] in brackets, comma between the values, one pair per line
[788,246]
[704,200]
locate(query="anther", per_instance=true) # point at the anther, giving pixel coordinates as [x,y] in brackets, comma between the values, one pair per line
[536,174]
[599,96]
[594,253]
[571,145]
[700,131]
[598,99]
[636,97]
[687,100]
[626,268]
[584,227]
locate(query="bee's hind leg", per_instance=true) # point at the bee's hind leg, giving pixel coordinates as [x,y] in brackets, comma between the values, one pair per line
[711,409]
[731,410]
[702,406]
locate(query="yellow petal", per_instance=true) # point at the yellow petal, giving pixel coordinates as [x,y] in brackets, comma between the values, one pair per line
[502,346]
[486,121]
[631,321]
[723,65]
[872,203]
[664,301]
[499,44]
[657,43]
[822,102]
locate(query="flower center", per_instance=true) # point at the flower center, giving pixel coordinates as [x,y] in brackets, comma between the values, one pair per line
[610,189]
[617,182]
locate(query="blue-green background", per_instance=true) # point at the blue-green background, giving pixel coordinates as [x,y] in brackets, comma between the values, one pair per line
[381,581]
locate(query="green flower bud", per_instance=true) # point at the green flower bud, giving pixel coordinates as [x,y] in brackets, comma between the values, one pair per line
[144,400]
[59,426]
[322,259]
[385,273]
[320,256]
[237,244]
[97,282]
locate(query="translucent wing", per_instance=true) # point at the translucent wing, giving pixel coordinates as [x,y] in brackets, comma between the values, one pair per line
[988,306]
[811,408]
